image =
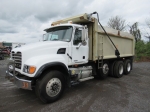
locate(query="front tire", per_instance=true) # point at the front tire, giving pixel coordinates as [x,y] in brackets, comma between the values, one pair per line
[50,88]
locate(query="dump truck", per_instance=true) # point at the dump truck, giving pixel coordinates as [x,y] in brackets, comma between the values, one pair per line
[73,50]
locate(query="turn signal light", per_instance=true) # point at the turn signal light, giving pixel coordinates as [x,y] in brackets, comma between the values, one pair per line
[32,69]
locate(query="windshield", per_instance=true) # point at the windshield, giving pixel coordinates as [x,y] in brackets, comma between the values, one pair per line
[61,33]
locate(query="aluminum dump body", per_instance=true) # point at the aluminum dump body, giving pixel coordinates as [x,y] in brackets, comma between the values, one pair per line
[100,45]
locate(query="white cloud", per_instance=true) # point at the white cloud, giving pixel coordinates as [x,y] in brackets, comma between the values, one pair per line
[25,20]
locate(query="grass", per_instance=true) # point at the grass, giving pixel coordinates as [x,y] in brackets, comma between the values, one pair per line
[142,51]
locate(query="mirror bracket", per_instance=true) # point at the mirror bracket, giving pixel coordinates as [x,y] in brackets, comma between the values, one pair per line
[78,45]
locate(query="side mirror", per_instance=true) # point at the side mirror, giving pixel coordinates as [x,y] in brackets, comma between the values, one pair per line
[84,33]
[84,43]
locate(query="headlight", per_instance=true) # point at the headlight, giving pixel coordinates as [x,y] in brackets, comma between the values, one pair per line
[29,69]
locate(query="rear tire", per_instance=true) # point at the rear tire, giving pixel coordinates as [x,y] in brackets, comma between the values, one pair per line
[111,71]
[50,88]
[118,69]
[127,67]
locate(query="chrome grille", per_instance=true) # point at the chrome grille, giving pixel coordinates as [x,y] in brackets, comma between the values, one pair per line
[17,57]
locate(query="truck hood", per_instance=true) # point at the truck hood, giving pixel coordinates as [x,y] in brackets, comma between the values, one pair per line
[41,45]
[41,49]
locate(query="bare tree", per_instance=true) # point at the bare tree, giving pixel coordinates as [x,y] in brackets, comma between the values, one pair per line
[134,30]
[117,23]
[148,24]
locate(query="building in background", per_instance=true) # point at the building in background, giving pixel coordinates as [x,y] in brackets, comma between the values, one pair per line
[1,45]
[7,44]
[10,45]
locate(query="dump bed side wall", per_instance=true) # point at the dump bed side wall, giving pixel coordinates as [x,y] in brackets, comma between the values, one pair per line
[102,46]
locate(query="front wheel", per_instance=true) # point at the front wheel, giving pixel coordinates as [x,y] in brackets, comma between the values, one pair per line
[50,88]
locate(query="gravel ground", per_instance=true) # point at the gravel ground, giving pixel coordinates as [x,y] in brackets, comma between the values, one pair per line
[131,93]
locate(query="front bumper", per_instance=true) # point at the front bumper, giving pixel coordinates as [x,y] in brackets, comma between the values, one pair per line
[20,83]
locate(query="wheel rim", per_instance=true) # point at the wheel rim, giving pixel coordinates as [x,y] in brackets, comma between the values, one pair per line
[53,87]
[128,67]
[121,69]
[105,68]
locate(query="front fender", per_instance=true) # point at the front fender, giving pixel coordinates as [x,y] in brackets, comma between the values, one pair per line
[40,61]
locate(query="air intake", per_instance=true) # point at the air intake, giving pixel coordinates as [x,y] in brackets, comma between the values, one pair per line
[17,57]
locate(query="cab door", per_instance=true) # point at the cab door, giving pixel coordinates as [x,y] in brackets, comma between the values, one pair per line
[80,48]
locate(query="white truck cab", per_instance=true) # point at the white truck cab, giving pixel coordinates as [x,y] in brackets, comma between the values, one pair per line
[76,38]
[69,54]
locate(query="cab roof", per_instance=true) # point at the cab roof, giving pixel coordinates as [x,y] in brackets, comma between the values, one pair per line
[73,25]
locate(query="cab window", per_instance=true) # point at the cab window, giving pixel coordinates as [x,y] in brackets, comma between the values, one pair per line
[77,37]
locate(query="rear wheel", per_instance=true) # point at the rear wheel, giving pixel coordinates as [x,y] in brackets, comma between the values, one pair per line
[111,71]
[118,69]
[127,66]
[50,87]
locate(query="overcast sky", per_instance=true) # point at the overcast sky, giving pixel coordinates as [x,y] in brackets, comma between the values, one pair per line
[24,20]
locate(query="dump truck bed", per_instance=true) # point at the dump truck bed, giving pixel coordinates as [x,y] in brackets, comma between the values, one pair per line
[99,43]
[103,47]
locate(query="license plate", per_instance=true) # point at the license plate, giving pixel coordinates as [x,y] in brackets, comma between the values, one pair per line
[25,85]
